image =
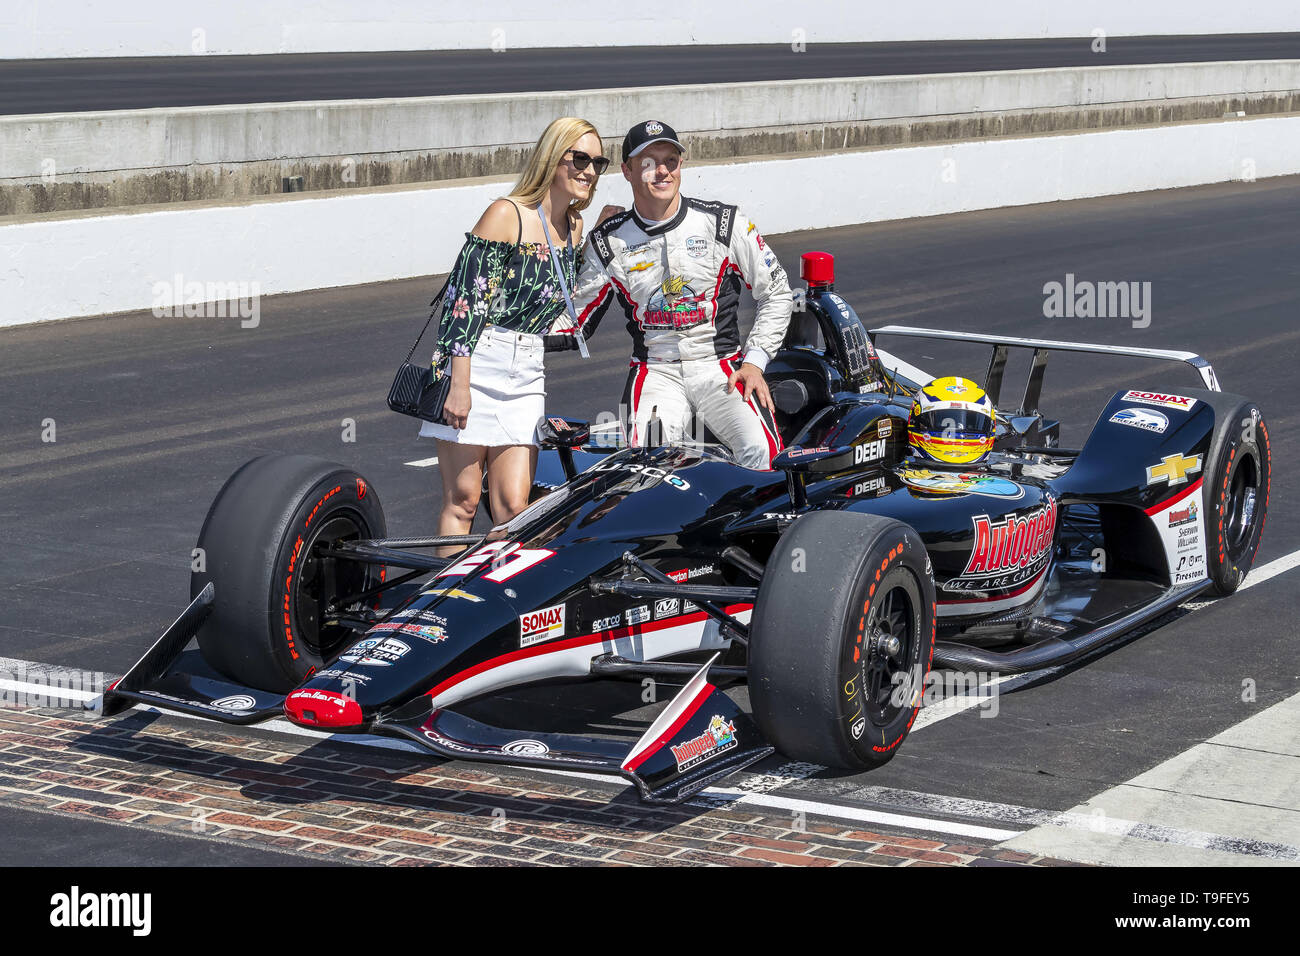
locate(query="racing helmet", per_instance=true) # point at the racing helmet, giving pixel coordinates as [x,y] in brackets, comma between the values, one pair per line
[952,421]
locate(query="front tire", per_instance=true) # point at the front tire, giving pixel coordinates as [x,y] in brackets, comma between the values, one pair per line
[260,545]
[1236,492]
[842,639]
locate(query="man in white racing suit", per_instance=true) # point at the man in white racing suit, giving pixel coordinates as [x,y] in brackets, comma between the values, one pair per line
[675,266]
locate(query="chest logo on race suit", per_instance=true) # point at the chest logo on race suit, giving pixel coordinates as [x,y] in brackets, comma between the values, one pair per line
[697,247]
[675,305]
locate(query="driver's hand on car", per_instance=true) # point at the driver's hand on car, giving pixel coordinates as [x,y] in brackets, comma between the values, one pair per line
[455,410]
[752,385]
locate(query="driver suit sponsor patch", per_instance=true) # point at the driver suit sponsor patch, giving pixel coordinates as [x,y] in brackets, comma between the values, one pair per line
[1008,551]
[542,625]
[718,738]
[675,305]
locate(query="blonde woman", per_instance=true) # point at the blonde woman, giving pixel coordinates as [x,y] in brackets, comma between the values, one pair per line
[503,295]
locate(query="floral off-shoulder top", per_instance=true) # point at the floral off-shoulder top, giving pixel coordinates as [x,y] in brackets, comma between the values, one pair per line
[503,284]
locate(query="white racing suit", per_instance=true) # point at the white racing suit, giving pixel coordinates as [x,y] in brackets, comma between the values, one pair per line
[679,284]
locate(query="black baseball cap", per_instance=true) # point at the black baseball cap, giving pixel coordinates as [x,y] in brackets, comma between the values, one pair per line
[643,134]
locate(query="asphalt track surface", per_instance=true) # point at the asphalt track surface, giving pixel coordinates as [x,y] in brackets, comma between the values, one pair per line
[152,414]
[75,85]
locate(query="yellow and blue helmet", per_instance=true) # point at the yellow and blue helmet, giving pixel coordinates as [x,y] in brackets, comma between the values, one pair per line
[952,421]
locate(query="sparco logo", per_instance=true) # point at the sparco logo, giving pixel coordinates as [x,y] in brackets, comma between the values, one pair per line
[75,908]
[1008,551]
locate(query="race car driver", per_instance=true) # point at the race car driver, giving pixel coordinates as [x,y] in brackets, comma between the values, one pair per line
[952,422]
[675,265]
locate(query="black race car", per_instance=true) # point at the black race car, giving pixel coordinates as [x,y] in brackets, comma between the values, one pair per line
[831,584]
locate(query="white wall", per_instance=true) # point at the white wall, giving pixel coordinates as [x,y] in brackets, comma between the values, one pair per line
[100,264]
[96,28]
[170,137]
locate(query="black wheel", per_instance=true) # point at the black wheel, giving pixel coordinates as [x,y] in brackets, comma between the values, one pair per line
[1236,491]
[262,546]
[842,638]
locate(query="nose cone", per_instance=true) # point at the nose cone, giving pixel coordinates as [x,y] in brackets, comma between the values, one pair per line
[322,708]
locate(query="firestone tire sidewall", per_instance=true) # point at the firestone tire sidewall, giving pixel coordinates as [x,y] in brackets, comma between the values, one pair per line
[873,743]
[342,494]
[805,686]
[1245,443]
[245,545]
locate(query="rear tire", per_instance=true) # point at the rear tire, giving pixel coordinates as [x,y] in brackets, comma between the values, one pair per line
[827,683]
[259,546]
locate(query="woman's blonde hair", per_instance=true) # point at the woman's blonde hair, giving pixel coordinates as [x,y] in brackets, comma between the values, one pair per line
[538,174]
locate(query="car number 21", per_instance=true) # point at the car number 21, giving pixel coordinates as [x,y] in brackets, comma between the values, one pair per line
[507,559]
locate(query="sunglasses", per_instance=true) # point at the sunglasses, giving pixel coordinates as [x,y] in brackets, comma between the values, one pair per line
[581,161]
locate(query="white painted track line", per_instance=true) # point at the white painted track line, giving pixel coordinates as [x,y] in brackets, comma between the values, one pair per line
[423,462]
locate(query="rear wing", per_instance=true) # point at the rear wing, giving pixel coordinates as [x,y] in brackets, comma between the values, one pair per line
[1041,348]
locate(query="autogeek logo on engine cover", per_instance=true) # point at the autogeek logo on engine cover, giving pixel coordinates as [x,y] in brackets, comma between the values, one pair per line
[1008,552]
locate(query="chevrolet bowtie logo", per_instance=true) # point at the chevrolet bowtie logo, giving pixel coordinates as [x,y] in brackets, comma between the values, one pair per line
[1173,469]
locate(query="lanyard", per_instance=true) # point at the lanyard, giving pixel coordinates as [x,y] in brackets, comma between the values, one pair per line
[564,286]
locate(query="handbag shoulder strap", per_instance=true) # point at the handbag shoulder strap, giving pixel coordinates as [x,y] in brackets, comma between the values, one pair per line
[436,299]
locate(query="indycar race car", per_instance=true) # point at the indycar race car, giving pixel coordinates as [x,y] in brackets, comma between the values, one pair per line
[830,584]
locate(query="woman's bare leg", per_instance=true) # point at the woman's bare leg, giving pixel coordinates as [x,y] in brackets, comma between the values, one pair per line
[510,479]
[461,468]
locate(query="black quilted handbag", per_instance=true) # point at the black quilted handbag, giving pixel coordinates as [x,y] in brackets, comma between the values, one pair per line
[416,391]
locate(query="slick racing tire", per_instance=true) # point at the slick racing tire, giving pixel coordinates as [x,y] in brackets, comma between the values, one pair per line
[842,639]
[1237,476]
[261,548]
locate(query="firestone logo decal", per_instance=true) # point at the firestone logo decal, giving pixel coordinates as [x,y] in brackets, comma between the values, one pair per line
[719,737]
[1009,551]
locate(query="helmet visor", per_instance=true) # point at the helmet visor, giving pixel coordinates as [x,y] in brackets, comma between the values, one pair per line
[953,423]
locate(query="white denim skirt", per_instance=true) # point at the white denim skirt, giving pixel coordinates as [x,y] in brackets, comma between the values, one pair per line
[507,387]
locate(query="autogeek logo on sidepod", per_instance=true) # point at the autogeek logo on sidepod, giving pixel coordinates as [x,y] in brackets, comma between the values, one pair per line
[76,909]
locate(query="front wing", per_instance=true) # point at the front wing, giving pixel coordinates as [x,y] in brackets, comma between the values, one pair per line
[700,737]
